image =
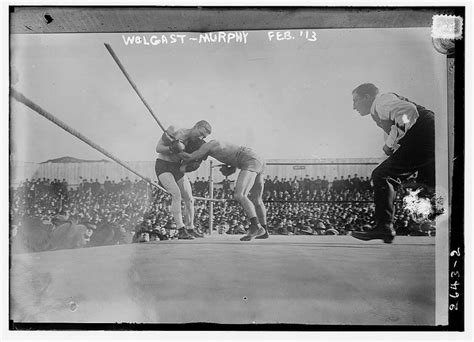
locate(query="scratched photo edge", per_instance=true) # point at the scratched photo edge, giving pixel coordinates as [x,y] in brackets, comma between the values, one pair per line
[443,246]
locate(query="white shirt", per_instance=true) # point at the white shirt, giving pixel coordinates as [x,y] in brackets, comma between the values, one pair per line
[404,114]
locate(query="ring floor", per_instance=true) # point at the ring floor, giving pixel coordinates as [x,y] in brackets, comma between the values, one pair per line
[219,279]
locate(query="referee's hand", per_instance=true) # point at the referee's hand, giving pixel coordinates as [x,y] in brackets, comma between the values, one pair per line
[387,150]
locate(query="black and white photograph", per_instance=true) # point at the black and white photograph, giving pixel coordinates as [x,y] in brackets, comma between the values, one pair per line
[259,168]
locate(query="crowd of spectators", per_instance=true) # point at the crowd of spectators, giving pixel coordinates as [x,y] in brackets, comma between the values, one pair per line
[115,212]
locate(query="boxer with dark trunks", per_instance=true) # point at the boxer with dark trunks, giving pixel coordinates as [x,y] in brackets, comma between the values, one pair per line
[174,180]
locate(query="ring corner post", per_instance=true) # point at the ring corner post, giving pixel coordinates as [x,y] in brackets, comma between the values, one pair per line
[211,196]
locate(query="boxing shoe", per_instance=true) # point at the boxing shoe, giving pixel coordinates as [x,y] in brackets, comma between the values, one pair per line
[194,233]
[264,236]
[383,232]
[254,231]
[183,234]
[283,231]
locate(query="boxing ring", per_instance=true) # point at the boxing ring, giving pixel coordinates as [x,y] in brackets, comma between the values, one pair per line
[285,279]
[299,279]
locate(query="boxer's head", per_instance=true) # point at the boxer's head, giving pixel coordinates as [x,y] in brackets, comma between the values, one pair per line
[200,130]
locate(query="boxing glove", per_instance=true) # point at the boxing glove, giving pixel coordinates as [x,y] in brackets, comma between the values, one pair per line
[227,170]
[167,139]
[176,146]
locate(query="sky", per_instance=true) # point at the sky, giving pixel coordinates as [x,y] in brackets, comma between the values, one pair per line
[287,98]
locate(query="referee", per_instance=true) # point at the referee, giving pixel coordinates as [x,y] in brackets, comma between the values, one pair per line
[409,145]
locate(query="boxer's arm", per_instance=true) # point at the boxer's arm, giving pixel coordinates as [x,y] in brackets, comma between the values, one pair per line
[163,145]
[199,154]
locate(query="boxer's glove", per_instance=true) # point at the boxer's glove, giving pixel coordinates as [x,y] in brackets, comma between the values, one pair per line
[388,150]
[227,170]
[167,139]
[174,145]
[177,146]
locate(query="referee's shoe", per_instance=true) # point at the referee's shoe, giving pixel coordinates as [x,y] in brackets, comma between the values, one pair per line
[383,232]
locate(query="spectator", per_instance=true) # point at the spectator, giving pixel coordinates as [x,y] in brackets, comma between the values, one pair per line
[123,210]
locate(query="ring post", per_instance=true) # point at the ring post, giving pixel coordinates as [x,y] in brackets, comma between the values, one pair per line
[211,196]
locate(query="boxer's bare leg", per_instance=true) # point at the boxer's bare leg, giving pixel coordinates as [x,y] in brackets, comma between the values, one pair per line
[245,182]
[256,193]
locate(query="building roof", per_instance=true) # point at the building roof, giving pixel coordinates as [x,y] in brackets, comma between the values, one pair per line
[73,160]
